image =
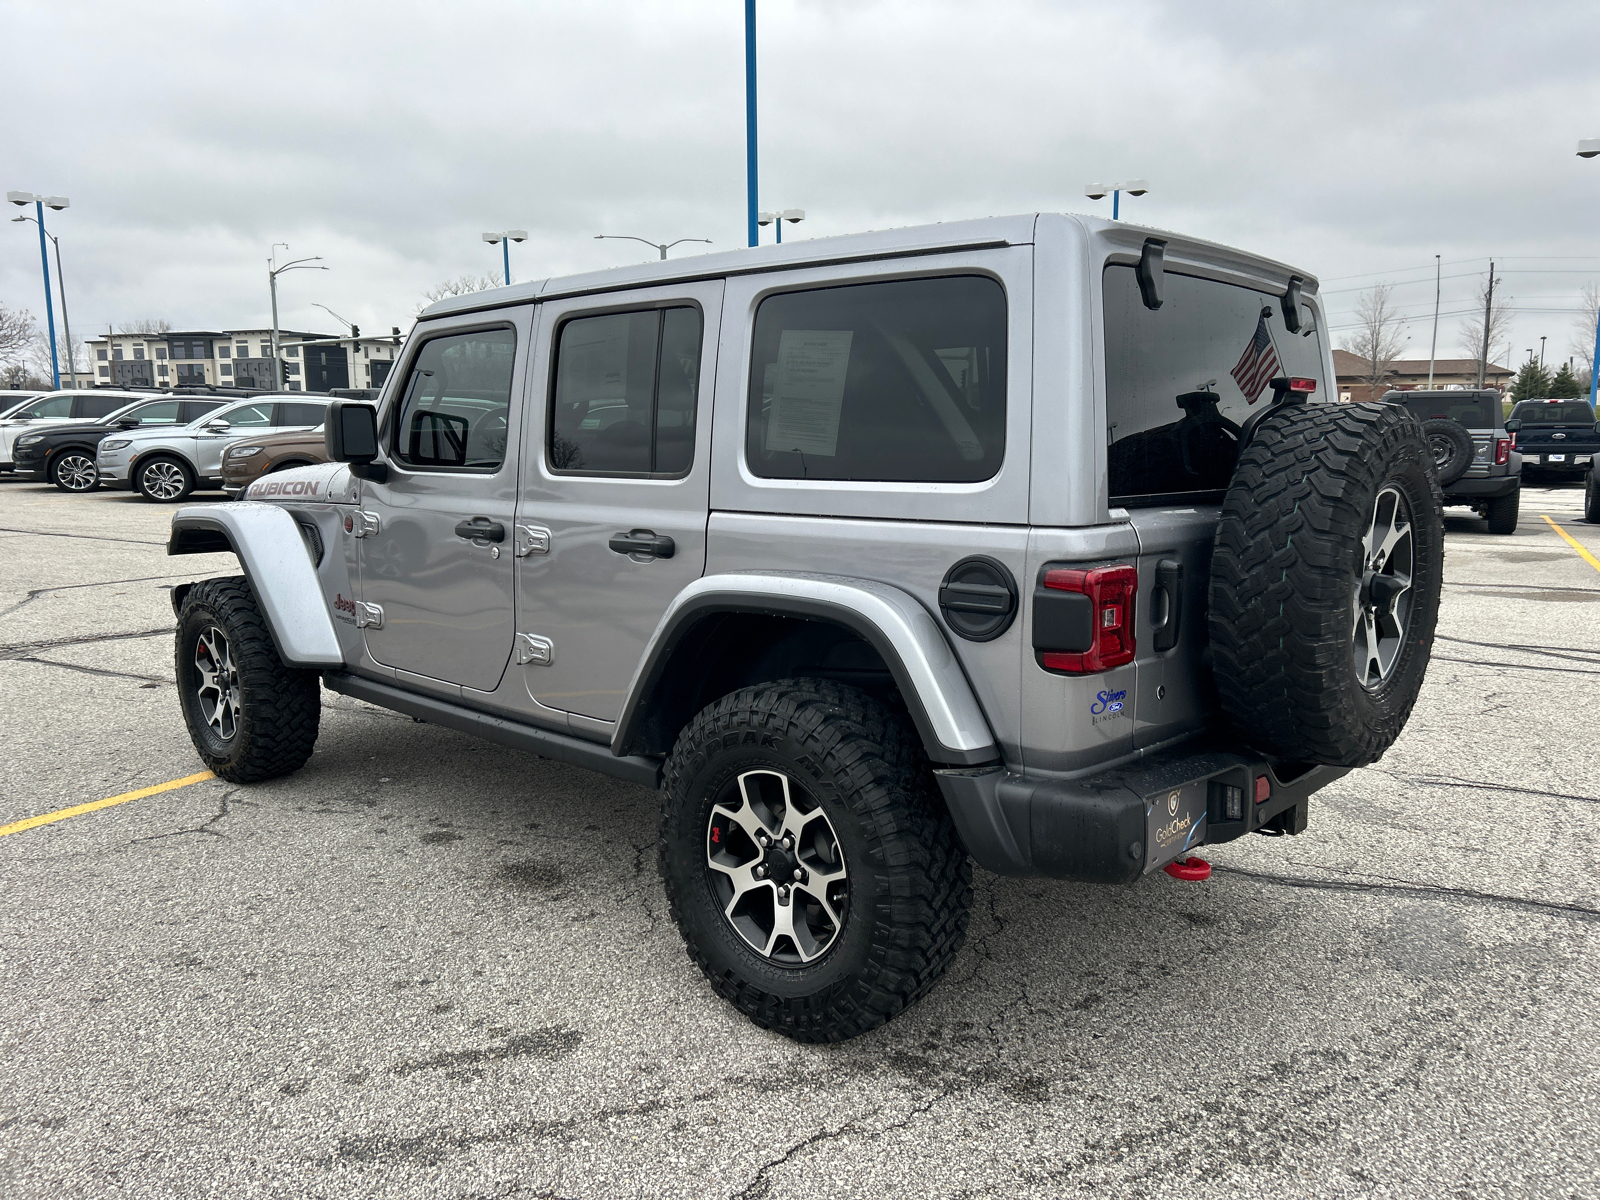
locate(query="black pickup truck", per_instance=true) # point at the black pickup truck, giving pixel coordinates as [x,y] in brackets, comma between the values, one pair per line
[1555,437]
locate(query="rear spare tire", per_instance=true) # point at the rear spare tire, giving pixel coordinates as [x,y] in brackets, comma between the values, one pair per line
[1325,581]
[1451,447]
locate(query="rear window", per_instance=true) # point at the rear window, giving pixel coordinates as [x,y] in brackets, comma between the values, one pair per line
[291,414]
[900,381]
[96,407]
[1563,412]
[1475,410]
[1182,378]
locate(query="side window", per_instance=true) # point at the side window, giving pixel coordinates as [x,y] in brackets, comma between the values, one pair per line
[52,406]
[96,407]
[626,386]
[1181,379]
[292,415]
[250,416]
[901,381]
[193,410]
[456,401]
[164,413]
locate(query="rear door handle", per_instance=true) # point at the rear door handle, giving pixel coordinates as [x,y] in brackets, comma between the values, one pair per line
[481,529]
[643,541]
[1169,581]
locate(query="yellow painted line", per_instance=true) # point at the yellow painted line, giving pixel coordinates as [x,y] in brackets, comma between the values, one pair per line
[77,811]
[1574,543]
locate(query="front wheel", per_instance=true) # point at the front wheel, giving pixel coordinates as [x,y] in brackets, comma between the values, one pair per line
[813,871]
[164,480]
[251,716]
[74,471]
[1502,513]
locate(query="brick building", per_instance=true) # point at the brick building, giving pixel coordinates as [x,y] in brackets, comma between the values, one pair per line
[1409,374]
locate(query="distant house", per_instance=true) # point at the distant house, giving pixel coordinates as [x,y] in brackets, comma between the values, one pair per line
[1409,374]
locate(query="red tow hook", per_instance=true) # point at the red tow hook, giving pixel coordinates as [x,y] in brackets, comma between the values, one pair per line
[1194,870]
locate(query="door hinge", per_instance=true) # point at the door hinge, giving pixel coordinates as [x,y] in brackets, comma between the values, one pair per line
[532,539]
[366,524]
[369,616]
[535,650]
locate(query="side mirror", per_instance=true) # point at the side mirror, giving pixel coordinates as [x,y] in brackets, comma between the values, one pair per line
[128,423]
[1514,425]
[217,426]
[350,435]
[1597,426]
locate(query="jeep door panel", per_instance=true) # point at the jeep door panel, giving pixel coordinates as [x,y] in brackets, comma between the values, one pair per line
[586,605]
[447,598]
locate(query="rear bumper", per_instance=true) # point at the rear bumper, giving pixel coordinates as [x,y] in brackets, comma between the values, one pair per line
[1464,491]
[1095,829]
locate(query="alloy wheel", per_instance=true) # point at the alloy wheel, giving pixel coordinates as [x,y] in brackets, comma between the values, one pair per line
[76,473]
[1383,589]
[776,868]
[218,690]
[162,480]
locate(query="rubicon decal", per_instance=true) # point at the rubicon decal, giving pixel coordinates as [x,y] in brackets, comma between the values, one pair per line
[285,487]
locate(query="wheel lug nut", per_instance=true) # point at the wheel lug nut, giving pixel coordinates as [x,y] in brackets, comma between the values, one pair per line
[799,874]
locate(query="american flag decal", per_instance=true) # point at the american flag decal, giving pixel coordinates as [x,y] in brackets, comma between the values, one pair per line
[1258,363]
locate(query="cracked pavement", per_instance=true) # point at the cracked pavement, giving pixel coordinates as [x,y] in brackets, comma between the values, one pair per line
[429,966]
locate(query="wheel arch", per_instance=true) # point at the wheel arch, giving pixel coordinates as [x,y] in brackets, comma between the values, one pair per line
[277,562]
[729,631]
[134,464]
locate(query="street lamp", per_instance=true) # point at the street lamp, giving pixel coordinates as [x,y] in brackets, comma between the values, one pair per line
[55,204]
[663,247]
[1099,191]
[273,271]
[61,282]
[504,240]
[792,215]
[1588,148]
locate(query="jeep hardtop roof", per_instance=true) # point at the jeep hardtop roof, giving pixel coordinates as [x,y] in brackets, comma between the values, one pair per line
[1110,236]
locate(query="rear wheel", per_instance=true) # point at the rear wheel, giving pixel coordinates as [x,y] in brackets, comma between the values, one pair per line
[74,471]
[1591,498]
[1502,513]
[164,480]
[250,715]
[816,877]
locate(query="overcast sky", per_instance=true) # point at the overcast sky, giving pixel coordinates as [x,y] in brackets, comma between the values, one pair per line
[1357,140]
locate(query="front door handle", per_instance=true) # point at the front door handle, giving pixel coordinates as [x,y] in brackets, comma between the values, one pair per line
[643,541]
[481,529]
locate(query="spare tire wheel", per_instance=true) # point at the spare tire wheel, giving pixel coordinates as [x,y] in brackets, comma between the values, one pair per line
[1451,446]
[1325,581]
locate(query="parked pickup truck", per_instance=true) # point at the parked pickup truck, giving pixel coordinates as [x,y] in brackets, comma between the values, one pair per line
[1031,542]
[1555,437]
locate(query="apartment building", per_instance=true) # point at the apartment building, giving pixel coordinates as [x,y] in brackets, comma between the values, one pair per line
[312,362]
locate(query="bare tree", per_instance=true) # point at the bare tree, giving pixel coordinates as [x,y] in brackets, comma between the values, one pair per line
[1379,337]
[16,333]
[68,360]
[462,285]
[1584,326]
[18,378]
[1471,333]
[146,327]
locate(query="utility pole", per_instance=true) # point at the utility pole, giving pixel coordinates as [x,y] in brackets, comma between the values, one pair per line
[1488,314]
[1433,346]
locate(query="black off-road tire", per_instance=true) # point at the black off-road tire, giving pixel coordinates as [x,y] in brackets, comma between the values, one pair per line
[279,708]
[164,468]
[1286,571]
[910,883]
[1451,447]
[1502,513]
[1591,497]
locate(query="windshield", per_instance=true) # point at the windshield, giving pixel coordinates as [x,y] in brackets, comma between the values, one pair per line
[1475,410]
[1561,412]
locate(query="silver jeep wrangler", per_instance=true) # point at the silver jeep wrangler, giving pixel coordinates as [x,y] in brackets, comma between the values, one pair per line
[1026,541]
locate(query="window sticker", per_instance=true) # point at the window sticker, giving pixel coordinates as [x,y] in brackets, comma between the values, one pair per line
[808,394]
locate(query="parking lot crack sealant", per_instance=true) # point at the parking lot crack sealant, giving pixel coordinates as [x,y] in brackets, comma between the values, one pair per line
[1467,895]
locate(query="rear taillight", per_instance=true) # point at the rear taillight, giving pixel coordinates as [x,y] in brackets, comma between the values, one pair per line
[1502,450]
[1083,620]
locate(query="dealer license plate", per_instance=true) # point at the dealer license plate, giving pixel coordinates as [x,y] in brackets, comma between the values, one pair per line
[1558,458]
[1175,824]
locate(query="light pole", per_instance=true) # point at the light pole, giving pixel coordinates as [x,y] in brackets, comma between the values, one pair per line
[1433,346]
[750,120]
[1588,148]
[273,271]
[55,204]
[792,215]
[61,282]
[1099,191]
[663,247]
[1541,351]
[504,240]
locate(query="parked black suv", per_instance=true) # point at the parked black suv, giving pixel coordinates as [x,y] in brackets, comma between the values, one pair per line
[1555,437]
[64,454]
[1474,452]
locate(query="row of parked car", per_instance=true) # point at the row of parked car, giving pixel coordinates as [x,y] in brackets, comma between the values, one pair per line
[161,445]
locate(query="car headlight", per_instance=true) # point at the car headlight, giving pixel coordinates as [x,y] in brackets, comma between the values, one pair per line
[243,451]
[31,439]
[116,443]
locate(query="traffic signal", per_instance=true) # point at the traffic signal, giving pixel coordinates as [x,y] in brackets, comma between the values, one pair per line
[355,332]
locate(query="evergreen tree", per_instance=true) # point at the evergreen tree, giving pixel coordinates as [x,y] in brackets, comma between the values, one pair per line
[1566,385]
[1533,382]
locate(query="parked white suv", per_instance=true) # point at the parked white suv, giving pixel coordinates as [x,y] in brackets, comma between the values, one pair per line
[60,408]
[166,464]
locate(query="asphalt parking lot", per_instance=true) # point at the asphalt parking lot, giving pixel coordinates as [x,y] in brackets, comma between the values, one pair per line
[429,966]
